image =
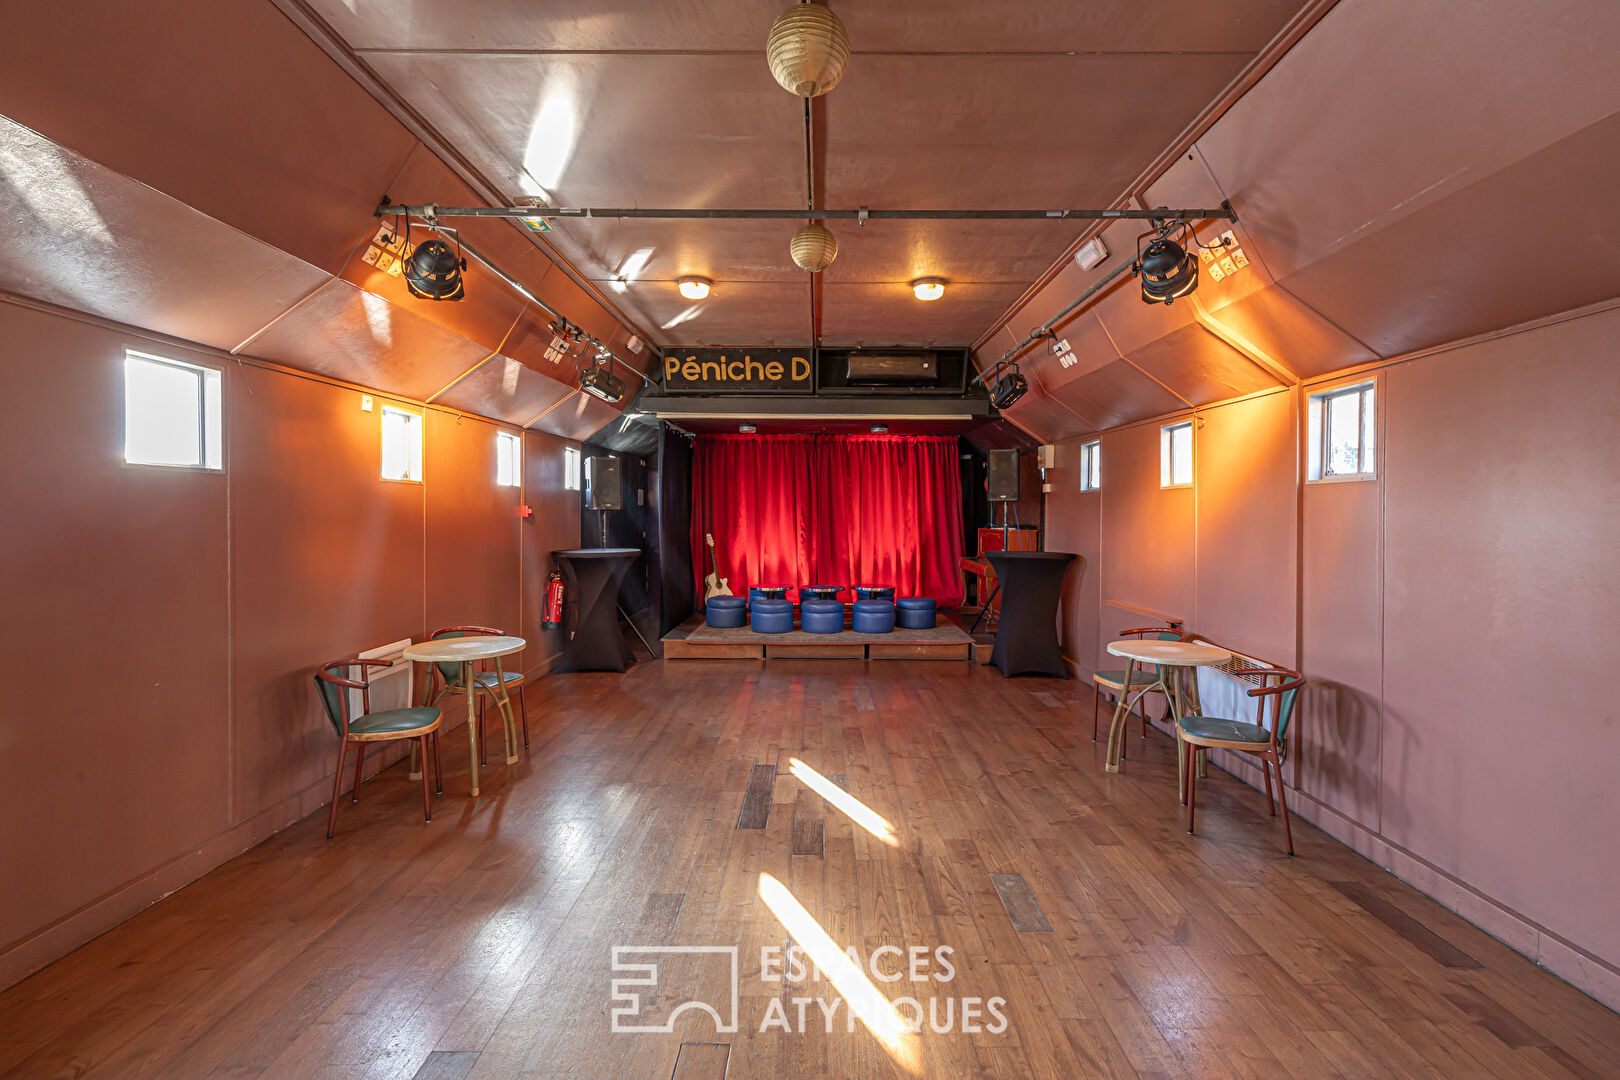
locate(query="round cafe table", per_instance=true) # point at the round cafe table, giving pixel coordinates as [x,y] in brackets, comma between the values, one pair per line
[468,651]
[1177,655]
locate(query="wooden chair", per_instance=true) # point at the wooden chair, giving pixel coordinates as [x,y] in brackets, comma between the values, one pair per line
[447,678]
[416,723]
[1114,681]
[1205,732]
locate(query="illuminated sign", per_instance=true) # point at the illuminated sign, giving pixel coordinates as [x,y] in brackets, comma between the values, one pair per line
[738,371]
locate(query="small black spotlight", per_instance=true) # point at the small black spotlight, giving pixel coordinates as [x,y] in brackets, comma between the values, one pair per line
[1167,269]
[599,381]
[433,272]
[1008,389]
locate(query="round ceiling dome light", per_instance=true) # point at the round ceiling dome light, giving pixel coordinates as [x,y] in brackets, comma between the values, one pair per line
[694,288]
[813,247]
[807,50]
[928,288]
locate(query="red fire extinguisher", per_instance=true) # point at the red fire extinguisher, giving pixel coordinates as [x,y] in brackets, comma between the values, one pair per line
[554,601]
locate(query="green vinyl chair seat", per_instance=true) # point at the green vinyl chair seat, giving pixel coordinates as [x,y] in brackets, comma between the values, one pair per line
[486,680]
[392,720]
[1214,727]
[1145,676]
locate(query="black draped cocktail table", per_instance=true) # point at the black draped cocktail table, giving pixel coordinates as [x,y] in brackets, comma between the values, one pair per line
[591,577]
[1026,636]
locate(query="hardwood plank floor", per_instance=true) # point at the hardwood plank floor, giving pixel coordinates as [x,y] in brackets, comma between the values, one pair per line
[933,819]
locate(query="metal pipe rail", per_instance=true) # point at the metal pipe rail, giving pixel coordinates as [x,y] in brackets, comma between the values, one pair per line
[430,212]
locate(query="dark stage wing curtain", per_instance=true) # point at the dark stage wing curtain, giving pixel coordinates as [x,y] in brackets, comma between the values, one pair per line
[830,510]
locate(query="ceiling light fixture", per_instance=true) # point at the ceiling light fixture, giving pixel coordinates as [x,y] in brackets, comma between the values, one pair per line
[880,429]
[746,429]
[807,50]
[433,271]
[813,247]
[1166,269]
[928,288]
[694,288]
[1091,253]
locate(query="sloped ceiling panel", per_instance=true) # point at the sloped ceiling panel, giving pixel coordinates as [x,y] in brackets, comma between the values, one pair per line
[1314,157]
[228,108]
[506,390]
[88,238]
[350,334]
[1200,367]
[1445,232]
[1117,393]
[1531,240]
[1044,418]
[577,417]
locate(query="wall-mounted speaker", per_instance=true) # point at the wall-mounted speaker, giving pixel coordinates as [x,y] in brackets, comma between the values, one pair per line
[1001,479]
[604,485]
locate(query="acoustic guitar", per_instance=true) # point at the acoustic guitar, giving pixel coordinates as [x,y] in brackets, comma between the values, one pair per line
[714,584]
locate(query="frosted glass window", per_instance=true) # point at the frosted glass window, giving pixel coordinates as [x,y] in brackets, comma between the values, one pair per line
[1341,435]
[172,413]
[1091,466]
[401,445]
[1176,455]
[571,469]
[508,459]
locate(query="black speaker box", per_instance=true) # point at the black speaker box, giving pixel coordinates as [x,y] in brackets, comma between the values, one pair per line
[604,485]
[1002,477]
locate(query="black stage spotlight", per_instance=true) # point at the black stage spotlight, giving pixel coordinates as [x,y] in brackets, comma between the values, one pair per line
[433,272]
[1008,389]
[600,381]
[1166,268]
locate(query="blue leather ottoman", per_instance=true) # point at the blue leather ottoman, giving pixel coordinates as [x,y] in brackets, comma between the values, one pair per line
[770,616]
[915,613]
[873,617]
[874,592]
[724,612]
[821,617]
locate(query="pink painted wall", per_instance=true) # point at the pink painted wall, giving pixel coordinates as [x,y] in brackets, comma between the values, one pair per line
[1453,617]
[181,613]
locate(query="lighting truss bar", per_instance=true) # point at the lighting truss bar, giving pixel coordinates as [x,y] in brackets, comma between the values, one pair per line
[431,212]
[1045,329]
[518,287]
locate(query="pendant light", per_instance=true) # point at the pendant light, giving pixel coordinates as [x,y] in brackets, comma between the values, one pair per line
[807,50]
[813,247]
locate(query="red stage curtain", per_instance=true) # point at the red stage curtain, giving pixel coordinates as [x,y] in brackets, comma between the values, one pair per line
[830,510]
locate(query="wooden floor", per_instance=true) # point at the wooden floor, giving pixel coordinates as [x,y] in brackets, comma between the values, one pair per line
[646,813]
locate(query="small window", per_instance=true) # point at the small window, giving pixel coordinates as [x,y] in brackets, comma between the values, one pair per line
[172,413]
[1176,455]
[508,459]
[1091,466]
[570,469]
[401,445]
[1340,434]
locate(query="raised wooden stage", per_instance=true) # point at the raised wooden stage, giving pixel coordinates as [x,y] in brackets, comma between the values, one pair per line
[695,639]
